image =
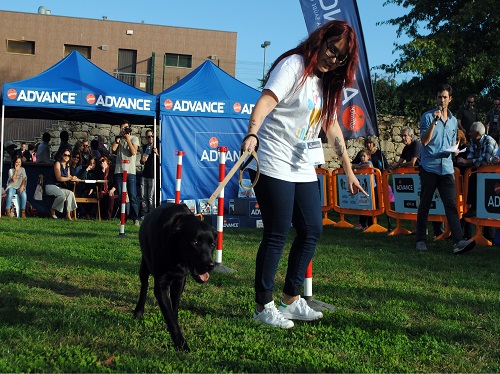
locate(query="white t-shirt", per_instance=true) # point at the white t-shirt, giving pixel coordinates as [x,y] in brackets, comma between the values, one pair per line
[282,154]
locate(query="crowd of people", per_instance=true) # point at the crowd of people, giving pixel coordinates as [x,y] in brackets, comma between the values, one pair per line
[85,160]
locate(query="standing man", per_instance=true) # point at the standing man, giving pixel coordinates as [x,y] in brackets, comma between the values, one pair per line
[43,151]
[411,151]
[125,146]
[467,115]
[438,129]
[148,177]
[493,120]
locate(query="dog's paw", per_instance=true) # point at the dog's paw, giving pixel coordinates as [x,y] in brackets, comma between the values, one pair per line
[138,313]
[182,347]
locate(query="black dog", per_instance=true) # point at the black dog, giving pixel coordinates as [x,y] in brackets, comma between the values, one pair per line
[174,242]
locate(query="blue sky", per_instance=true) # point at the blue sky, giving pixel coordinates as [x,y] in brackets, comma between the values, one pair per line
[278,21]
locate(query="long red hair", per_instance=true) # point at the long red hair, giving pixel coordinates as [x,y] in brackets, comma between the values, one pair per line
[333,81]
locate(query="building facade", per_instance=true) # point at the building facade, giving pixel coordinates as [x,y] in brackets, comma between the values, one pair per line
[148,57]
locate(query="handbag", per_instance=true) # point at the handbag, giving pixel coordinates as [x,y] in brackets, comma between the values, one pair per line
[39,189]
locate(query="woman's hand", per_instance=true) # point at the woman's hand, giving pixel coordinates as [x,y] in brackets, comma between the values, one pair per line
[353,186]
[249,144]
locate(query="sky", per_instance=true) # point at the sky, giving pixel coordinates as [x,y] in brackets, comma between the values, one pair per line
[279,21]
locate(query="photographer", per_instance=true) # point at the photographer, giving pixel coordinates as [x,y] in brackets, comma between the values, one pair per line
[125,146]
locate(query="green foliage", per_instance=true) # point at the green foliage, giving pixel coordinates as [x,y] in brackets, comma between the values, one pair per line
[451,41]
[67,291]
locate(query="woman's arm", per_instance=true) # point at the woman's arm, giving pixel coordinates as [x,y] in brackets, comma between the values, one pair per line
[262,108]
[336,141]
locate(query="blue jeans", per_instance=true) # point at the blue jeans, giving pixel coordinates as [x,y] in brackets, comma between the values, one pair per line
[147,194]
[131,192]
[281,205]
[10,194]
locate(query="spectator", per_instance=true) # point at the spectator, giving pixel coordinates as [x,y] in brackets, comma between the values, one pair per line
[64,145]
[85,152]
[493,120]
[11,149]
[75,164]
[467,115]
[107,193]
[481,152]
[102,147]
[438,129]
[147,180]
[411,151]
[364,162]
[43,151]
[16,184]
[376,156]
[57,184]
[126,146]
[32,148]
[94,151]
[24,153]
[90,172]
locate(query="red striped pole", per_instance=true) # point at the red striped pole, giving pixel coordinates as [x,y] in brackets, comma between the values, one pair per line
[124,199]
[308,289]
[220,204]
[178,179]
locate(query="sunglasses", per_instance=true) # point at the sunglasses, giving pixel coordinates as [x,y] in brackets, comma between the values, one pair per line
[471,102]
[334,55]
[101,161]
[77,157]
[66,155]
[150,136]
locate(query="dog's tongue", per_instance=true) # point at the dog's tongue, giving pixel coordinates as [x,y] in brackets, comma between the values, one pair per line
[204,277]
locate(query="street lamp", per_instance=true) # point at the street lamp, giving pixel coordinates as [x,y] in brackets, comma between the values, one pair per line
[264,45]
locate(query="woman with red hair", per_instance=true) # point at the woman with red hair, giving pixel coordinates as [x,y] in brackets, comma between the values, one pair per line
[301,97]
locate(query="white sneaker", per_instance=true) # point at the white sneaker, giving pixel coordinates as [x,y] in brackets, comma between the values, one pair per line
[271,317]
[299,310]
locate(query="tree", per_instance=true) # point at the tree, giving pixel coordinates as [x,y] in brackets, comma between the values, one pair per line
[451,41]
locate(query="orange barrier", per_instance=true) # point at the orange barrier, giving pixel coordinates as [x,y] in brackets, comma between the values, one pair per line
[327,203]
[413,216]
[481,222]
[377,204]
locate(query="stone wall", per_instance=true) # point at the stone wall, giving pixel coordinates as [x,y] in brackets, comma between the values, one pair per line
[389,141]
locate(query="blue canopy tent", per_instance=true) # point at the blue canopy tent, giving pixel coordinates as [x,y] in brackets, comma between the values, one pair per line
[75,89]
[203,111]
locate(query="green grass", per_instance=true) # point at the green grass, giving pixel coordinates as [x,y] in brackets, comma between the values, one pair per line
[67,291]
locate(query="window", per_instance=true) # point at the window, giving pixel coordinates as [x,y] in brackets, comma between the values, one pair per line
[83,49]
[180,61]
[24,47]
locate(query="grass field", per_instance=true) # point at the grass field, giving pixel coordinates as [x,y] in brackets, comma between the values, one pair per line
[67,291]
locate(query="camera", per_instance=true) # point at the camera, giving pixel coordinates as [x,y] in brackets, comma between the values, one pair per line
[127,130]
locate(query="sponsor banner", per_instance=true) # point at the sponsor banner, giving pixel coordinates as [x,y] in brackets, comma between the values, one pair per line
[488,196]
[206,108]
[73,99]
[406,190]
[358,201]
[200,138]
[358,115]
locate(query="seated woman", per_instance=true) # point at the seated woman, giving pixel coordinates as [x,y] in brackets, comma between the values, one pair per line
[16,184]
[88,189]
[58,185]
[107,193]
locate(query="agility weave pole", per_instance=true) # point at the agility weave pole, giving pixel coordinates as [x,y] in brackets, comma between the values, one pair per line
[124,200]
[178,177]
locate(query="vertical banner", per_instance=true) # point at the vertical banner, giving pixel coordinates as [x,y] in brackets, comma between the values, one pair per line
[358,116]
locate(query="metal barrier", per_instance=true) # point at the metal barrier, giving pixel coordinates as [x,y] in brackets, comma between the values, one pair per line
[399,230]
[376,194]
[482,222]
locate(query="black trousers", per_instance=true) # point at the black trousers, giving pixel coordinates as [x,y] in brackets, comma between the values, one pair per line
[445,184]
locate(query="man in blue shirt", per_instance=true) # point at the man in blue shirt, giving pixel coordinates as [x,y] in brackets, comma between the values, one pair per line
[438,133]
